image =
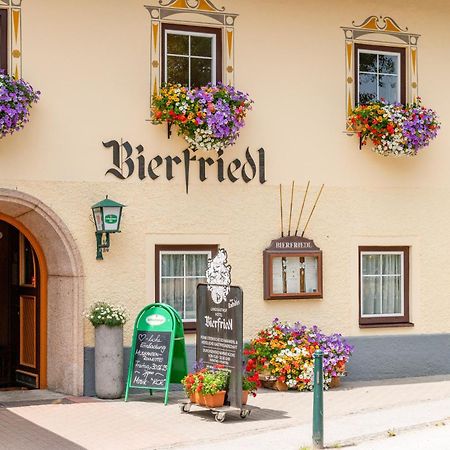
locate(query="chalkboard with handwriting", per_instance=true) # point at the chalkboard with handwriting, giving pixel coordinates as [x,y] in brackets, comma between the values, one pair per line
[150,359]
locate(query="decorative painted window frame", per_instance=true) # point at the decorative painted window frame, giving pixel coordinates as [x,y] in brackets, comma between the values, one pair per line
[167,12]
[379,31]
[14,8]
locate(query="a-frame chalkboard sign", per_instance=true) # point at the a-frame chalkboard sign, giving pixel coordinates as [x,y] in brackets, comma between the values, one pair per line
[158,352]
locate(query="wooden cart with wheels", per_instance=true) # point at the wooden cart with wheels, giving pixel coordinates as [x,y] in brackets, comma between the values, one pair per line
[220,413]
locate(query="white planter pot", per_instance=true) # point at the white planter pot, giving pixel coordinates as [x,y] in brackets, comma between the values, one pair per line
[108,361]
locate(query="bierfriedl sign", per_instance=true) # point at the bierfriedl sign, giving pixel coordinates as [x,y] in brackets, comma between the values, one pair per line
[129,161]
[219,324]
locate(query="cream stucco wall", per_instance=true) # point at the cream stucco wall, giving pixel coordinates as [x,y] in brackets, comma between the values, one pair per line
[91,61]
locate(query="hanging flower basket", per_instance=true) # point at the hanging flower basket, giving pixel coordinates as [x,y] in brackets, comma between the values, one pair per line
[395,129]
[16,99]
[208,118]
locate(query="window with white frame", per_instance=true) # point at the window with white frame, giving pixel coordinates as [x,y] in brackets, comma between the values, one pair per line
[380,74]
[384,285]
[179,270]
[192,56]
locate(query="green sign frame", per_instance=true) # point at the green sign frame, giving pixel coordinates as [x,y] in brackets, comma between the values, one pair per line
[164,319]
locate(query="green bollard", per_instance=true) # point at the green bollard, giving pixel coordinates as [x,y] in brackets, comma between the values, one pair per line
[317,436]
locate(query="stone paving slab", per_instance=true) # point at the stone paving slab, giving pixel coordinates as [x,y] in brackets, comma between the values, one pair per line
[16,433]
[147,423]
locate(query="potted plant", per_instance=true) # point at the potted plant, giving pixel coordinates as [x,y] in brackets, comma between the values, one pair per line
[208,117]
[395,129]
[16,100]
[207,387]
[108,320]
[286,352]
[250,384]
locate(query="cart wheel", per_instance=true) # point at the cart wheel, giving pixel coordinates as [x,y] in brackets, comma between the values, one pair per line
[186,407]
[244,413]
[219,417]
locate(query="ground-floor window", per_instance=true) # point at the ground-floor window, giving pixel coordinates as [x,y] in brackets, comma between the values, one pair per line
[384,285]
[179,269]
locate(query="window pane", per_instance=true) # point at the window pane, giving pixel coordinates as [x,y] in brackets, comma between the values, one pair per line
[371,302]
[392,264]
[392,295]
[311,263]
[388,64]
[371,264]
[172,293]
[277,275]
[191,295]
[29,277]
[196,265]
[201,46]
[178,70]
[178,44]
[389,88]
[172,265]
[201,72]
[367,62]
[367,88]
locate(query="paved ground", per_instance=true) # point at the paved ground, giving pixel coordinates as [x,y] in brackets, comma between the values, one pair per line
[358,414]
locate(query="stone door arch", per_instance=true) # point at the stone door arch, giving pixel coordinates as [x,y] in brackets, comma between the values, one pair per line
[62,288]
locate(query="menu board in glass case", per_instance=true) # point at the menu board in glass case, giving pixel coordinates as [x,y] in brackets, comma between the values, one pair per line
[292,269]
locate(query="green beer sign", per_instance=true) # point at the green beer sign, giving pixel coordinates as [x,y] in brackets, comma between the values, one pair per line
[111,218]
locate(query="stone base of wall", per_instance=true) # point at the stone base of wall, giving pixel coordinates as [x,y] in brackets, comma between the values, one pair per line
[374,358]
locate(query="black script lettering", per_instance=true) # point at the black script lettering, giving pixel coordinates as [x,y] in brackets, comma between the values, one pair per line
[169,160]
[151,168]
[141,162]
[202,167]
[187,161]
[251,163]
[230,171]
[220,176]
[118,160]
[262,165]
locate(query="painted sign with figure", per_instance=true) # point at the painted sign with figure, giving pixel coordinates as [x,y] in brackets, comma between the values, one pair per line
[219,324]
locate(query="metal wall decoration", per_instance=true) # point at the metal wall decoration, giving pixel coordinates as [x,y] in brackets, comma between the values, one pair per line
[218,276]
[380,31]
[201,12]
[14,36]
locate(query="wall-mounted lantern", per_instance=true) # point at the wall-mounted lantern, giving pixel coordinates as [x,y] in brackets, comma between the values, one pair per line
[107,215]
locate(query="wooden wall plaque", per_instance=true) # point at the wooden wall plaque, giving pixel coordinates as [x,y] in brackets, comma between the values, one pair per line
[292,269]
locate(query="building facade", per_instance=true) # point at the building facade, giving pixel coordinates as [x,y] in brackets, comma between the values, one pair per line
[381,222]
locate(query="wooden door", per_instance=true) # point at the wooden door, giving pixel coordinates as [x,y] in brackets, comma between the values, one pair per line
[28,313]
[8,238]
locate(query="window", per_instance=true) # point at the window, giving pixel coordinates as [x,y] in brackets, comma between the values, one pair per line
[4,40]
[178,271]
[384,285]
[192,56]
[380,74]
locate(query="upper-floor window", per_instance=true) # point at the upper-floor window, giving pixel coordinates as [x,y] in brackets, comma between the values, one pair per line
[384,285]
[192,56]
[4,40]
[380,74]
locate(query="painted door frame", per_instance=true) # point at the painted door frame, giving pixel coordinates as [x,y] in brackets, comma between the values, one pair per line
[43,274]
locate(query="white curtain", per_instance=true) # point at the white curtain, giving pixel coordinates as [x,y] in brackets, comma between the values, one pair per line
[382,283]
[180,274]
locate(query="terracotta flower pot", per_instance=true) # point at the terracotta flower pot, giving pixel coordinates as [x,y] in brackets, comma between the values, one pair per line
[216,400]
[192,398]
[244,397]
[199,399]
[335,382]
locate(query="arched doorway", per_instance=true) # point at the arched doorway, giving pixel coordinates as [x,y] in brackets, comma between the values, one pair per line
[60,278]
[23,352]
